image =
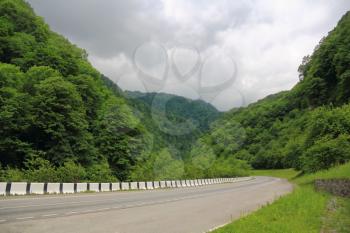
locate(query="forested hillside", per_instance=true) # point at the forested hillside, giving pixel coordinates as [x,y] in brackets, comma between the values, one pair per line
[175,120]
[307,128]
[61,120]
[56,114]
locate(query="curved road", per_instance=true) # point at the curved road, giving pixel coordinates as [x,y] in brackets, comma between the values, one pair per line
[184,210]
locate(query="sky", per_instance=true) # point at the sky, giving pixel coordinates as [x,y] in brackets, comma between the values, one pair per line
[228,53]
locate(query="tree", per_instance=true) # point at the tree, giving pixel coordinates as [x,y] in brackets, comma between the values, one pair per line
[326,153]
[60,126]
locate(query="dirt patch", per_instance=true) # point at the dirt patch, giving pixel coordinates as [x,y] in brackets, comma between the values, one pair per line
[338,187]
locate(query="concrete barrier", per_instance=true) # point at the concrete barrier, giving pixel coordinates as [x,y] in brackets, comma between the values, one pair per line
[133,185]
[95,187]
[105,187]
[3,188]
[36,188]
[53,188]
[174,183]
[149,185]
[115,186]
[18,188]
[125,185]
[81,187]
[142,185]
[22,188]
[156,184]
[67,187]
[162,184]
[183,183]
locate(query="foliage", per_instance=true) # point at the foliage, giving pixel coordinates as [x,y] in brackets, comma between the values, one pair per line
[306,128]
[56,106]
[158,166]
[71,172]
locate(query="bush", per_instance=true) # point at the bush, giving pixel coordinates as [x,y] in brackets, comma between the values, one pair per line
[71,172]
[13,175]
[40,170]
[100,173]
[326,153]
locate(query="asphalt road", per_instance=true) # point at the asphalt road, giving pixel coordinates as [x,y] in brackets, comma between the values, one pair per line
[183,210]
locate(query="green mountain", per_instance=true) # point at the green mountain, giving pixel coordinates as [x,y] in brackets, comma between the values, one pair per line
[307,128]
[175,120]
[61,120]
[57,116]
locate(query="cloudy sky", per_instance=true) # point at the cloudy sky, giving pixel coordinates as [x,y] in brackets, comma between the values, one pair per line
[229,53]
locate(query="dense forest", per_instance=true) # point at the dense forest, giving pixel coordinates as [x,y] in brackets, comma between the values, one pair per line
[307,128]
[61,120]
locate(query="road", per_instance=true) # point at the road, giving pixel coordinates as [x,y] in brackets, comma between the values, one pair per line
[183,210]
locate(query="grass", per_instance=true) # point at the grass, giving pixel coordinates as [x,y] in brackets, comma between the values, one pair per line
[281,173]
[337,216]
[302,211]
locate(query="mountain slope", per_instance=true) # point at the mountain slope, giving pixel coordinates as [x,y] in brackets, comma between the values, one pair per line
[61,120]
[175,120]
[56,114]
[307,128]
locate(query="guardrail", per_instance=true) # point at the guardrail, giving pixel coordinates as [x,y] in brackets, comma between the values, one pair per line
[26,188]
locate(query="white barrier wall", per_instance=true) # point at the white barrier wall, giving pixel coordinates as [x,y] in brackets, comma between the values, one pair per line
[53,188]
[133,185]
[68,188]
[22,188]
[156,184]
[149,185]
[3,188]
[125,185]
[142,185]
[36,188]
[81,187]
[115,186]
[174,183]
[162,184]
[192,183]
[95,187]
[183,183]
[18,188]
[105,187]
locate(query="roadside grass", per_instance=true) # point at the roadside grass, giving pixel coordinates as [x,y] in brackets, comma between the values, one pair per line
[302,211]
[337,217]
[281,173]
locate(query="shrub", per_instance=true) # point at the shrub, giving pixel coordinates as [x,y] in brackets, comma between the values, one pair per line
[71,172]
[326,153]
[100,173]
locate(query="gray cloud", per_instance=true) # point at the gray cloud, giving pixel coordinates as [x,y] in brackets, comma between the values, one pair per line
[266,38]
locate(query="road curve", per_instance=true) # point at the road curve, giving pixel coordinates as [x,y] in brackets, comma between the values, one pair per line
[184,210]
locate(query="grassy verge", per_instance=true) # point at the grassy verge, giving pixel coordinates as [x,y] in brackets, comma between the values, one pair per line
[302,211]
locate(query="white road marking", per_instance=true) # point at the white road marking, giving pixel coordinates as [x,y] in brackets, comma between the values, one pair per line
[103,209]
[23,218]
[2,220]
[48,215]
[72,212]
